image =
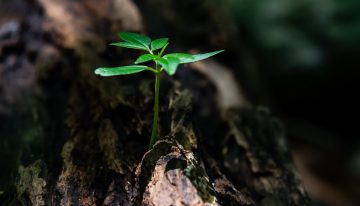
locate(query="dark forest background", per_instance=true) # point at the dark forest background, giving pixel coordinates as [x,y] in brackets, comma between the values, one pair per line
[299,59]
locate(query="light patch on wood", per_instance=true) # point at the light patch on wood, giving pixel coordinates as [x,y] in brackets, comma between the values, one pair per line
[74,21]
[230,94]
[171,187]
[31,183]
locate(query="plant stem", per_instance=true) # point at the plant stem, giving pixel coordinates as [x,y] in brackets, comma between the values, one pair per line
[156,109]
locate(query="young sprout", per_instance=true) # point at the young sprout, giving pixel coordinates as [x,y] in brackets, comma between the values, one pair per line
[167,62]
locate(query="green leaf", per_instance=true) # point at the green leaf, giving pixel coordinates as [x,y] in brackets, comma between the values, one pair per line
[159,43]
[128,45]
[124,70]
[199,57]
[145,58]
[172,65]
[163,62]
[135,38]
[169,64]
[188,58]
[183,58]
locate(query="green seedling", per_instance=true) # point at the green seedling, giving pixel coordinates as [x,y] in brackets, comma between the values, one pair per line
[155,53]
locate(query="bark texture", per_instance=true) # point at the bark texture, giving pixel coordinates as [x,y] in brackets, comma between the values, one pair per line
[82,140]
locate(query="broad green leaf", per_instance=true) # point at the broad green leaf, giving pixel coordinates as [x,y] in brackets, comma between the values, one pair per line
[183,58]
[145,58]
[129,45]
[172,65]
[199,57]
[124,70]
[136,38]
[159,43]
[169,64]
[163,62]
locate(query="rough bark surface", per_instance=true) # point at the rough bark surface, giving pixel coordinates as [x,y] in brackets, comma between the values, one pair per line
[82,140]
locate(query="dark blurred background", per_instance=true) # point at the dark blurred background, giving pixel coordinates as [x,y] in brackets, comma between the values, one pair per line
[307,55]
[299,58]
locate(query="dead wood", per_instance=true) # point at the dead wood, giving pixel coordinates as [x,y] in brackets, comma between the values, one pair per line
[83,139]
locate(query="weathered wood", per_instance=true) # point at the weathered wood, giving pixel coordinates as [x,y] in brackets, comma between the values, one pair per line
[86,143]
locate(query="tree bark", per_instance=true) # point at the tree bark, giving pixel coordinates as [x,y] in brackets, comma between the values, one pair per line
[82,140]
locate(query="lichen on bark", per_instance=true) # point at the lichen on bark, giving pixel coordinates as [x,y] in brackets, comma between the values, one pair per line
[31,184]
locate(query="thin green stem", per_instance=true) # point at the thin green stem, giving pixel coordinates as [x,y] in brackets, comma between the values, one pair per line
[163,49]
[156,109]
[151,69]
[154,129]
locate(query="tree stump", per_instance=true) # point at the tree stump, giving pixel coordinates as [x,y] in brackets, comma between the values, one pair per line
[77,139]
